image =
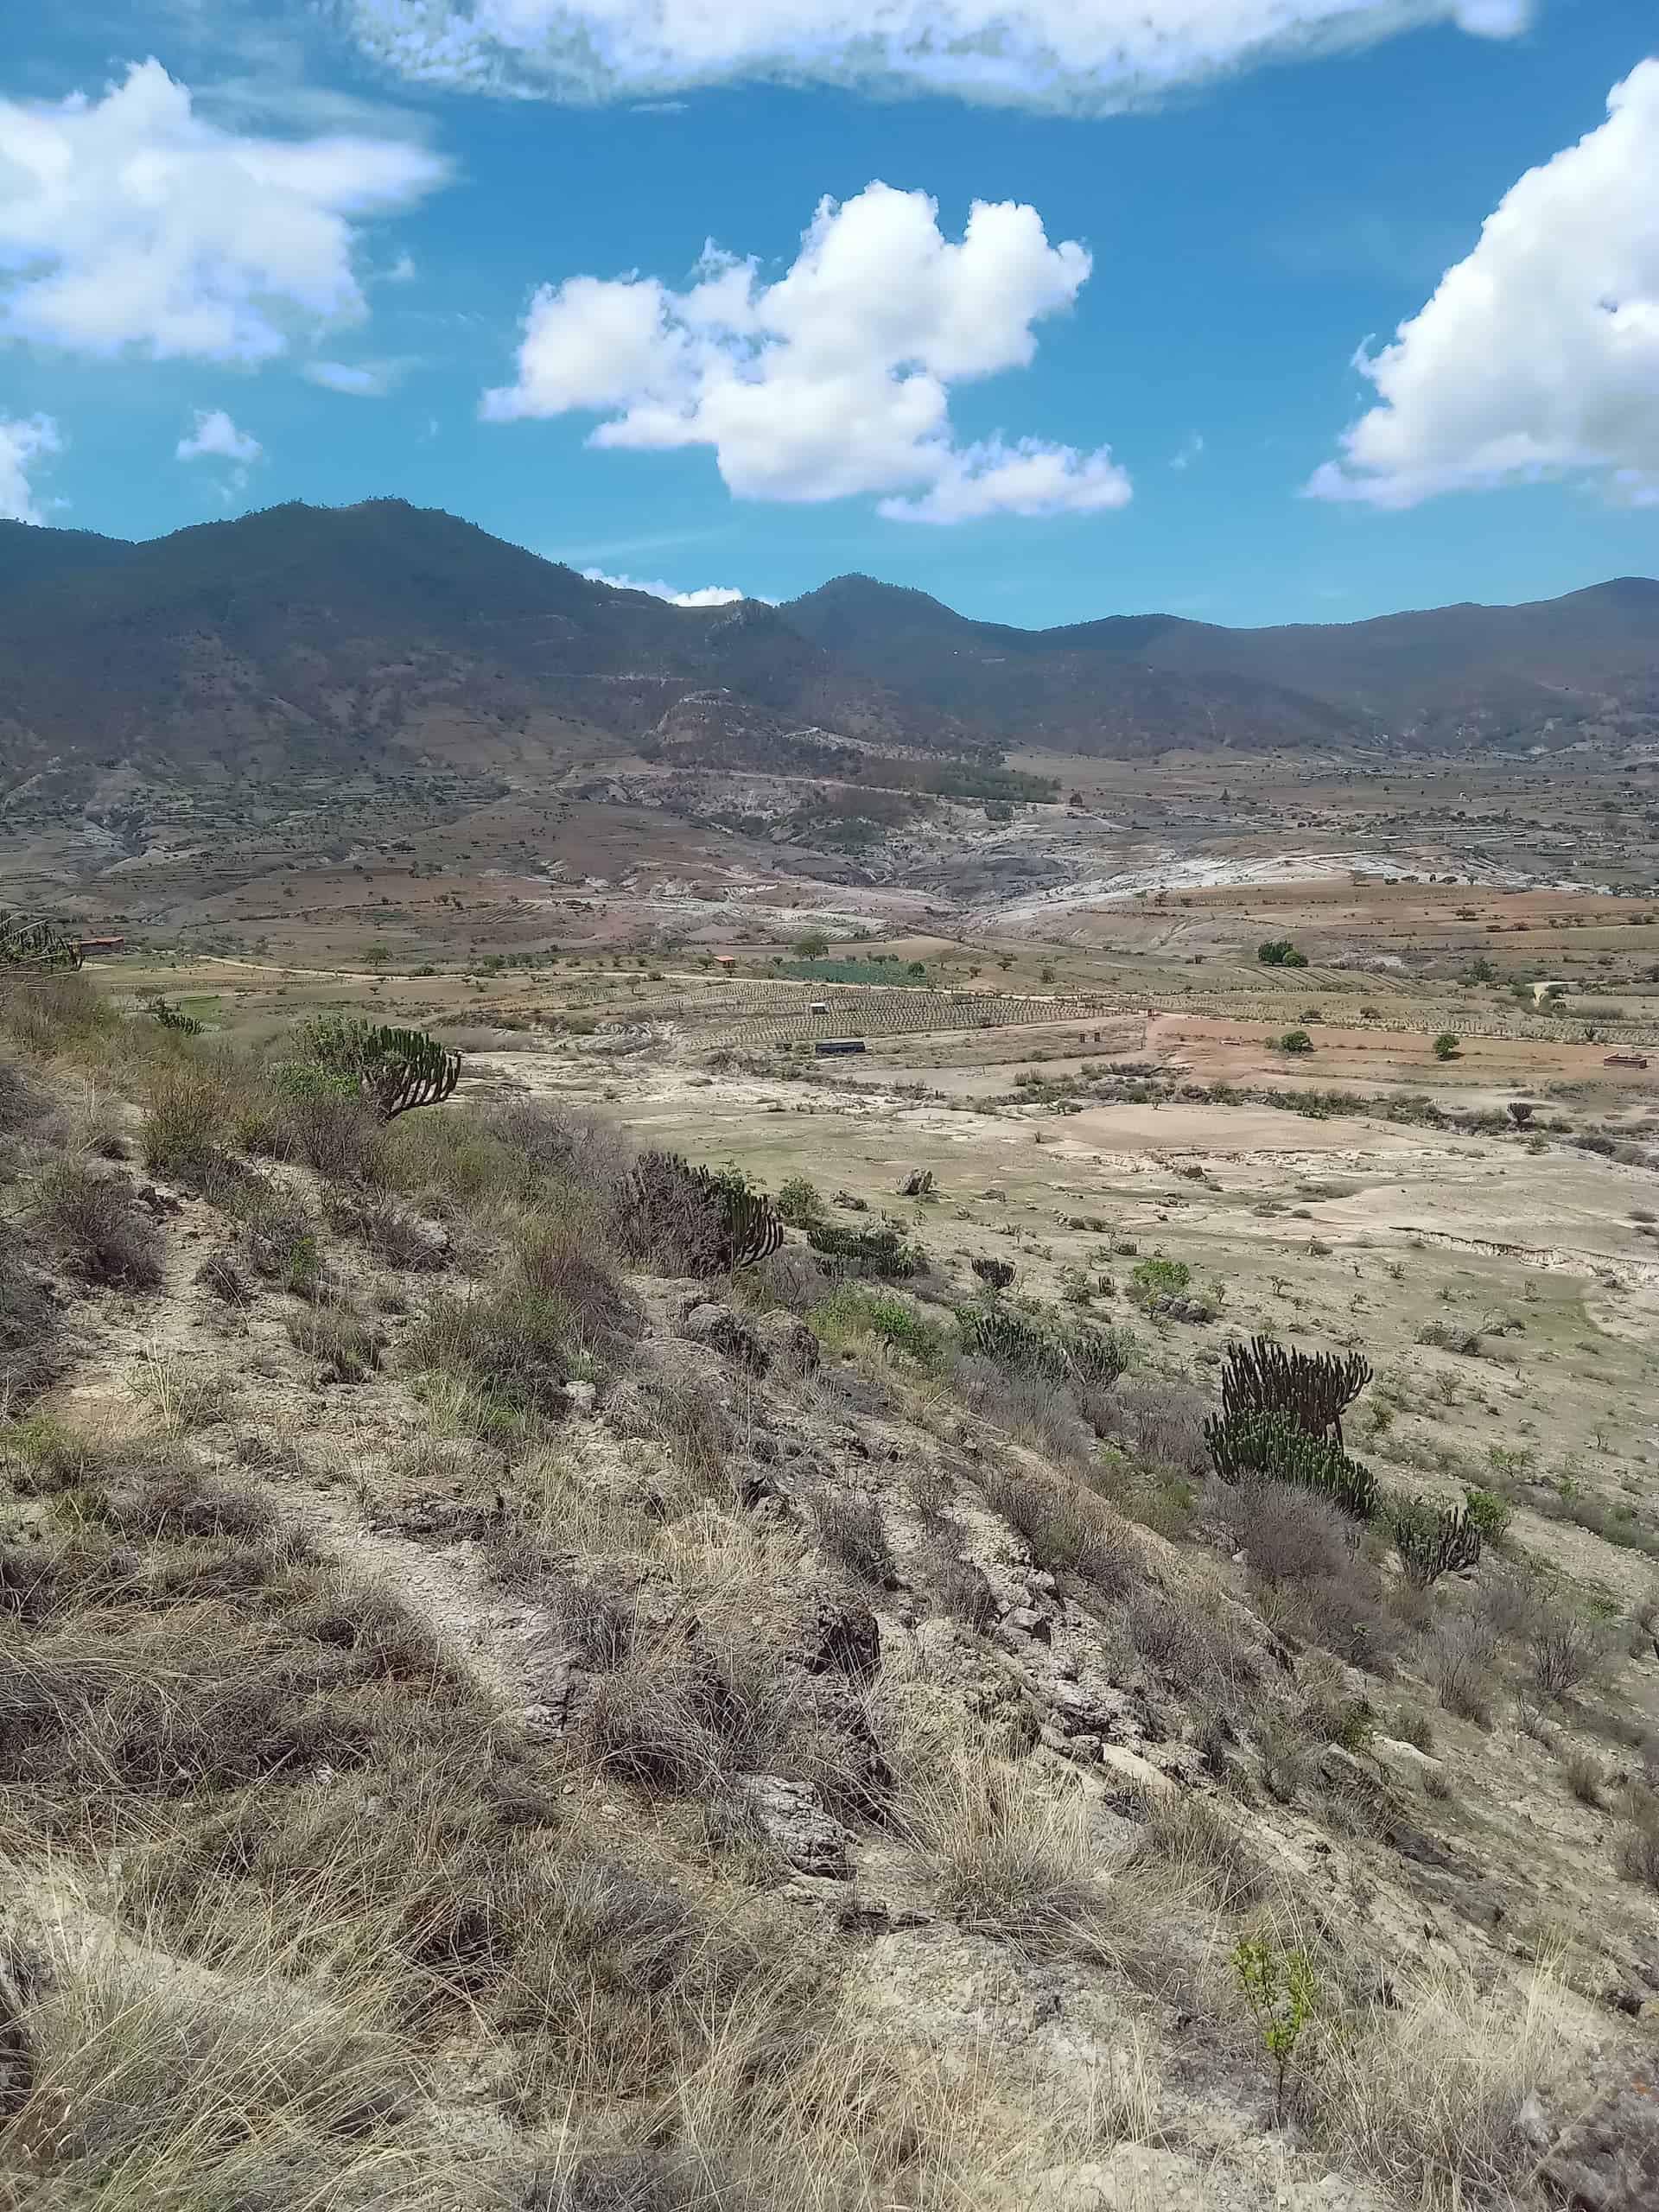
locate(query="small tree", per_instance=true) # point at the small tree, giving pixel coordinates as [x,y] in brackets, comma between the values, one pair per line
[1279,953]
[811,945]
[1281,1990]
[1295,1040]
[1446,1045]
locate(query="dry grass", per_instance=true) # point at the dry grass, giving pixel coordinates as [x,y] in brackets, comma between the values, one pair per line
[1425,2095]
[149,2084]
[94,1217]
[336,1338]
[511,1349]
[1012,1858]
[1068,1529]
[1200,1851]
[852,1530]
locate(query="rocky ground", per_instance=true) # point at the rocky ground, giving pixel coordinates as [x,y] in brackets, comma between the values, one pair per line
[491,1714]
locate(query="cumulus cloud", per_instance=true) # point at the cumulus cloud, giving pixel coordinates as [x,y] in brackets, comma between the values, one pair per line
[217,438]
[835,380]
[24,440]
[1083,55]
[132,222]
[708,595]
[1538,354]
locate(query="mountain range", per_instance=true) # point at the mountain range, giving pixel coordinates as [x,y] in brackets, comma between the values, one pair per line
[309,638]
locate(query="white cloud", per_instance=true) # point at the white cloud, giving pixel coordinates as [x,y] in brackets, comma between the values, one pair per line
[1191,449]
[708,595]
[835,380]
[1088,55]
[403,270]
[217,438]
[1538,354]
[23,441]
[132,221]
[357,379]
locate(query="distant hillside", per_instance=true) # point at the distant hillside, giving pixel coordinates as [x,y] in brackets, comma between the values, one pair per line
[1446,679]
[317,639]
[310,637]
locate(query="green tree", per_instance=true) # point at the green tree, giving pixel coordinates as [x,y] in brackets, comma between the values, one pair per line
[1446,1045]
[1282,1991]
[1295,1040]
[811,944]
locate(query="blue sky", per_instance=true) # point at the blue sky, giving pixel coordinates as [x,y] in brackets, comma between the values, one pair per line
[254,252]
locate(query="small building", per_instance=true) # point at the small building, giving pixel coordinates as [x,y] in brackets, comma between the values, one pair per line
[93,947]
[726,960]
[827,1047]
[1624,1060]
[818,1005]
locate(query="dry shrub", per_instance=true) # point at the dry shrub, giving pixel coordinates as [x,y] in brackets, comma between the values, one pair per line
[98,1222]
[687,1719]
[510,1347]
[279,1232]
[28,1322]
[1012,1858]
[684,1398]
[1197,1851]
[1160,1424]
[1565,1651]
[1068,1529]
[1425,2095]
[149,2085]
[165,1494]
[1635,1852]
[852,1530]
[336,1337]
[556,1258]
[1584,1775]
[1462,1657]
[385,1227]
[190,1113]
[556,1149]
[956,1585]
[338,1133]
[1189,1637]
[1306,1554]
[1032,1410]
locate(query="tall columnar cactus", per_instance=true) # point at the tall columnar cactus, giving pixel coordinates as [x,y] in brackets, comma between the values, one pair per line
[28,944]
[1311,1390]
[1270,1447]
[1433,1539]
[397,1070]
[715,1221]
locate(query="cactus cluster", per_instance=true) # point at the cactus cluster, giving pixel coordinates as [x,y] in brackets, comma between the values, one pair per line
[717,1222]
[995,1275]
[879,1251]
[1313,1389]
[1269,1447]
[396,1070]
[1433,1539]
[1028,1346]
[28,944]
[172,1017]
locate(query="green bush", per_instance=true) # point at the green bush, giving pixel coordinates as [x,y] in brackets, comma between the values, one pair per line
[1446,1045]
[799,1201]
[1296,1041]
[1487,1512]
[1272,1447]
[1160,1278]
[1279,953]
[853,1311]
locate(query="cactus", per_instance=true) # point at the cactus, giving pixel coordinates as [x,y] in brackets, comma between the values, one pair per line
[1270,1447]
[1093,1357]
[1433,1539]
[172,1017]
[1313,1390]
[881,1251]
[396,1070]
[26,944]
[715,1221]
[995,1275]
